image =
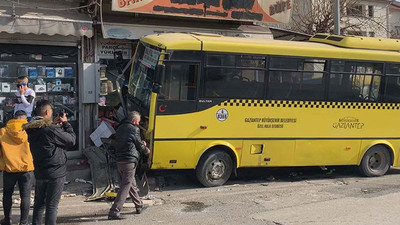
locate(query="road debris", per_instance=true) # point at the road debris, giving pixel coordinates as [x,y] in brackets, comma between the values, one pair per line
[79,180]
[270,178]
[69,195]
[149,197]
[341,182]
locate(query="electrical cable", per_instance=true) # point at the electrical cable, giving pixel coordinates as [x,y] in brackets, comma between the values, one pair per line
[45,8]
[101,18]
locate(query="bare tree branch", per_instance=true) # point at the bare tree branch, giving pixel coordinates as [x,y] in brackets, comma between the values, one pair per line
[317,16]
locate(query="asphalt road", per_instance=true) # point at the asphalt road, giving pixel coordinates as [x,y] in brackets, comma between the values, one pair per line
[266,196]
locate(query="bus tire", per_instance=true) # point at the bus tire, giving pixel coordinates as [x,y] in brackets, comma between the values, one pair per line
[214,168]
[375,162]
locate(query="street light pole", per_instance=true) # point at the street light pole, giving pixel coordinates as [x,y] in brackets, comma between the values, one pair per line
[336,11]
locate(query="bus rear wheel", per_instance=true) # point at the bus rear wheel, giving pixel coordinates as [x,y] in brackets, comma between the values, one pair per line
[214,168]
[376,162]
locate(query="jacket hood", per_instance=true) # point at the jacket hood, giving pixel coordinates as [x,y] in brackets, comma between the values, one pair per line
[37,123]
[126,121]
[15,132]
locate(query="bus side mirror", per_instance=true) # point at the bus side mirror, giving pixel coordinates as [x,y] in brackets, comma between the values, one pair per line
[157,88]
[160,73]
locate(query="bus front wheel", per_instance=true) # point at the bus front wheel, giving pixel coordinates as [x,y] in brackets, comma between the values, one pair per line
[376,162]
[214,168]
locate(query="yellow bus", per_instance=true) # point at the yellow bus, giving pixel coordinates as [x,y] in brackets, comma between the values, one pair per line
[215,103]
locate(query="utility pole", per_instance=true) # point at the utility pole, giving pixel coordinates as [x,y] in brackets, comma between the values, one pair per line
[336,11]
[388,18]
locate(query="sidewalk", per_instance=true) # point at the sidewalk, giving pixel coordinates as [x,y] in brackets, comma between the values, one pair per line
[74,210]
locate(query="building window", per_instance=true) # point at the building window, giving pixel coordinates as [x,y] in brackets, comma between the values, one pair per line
[356,33]
[355,10]
[371,11]
[397,30]
[371,34]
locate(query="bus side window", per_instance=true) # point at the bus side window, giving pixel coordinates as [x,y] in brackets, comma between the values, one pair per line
[180,82]
[234,76]
[392,89]
[296,79]
[392,83]
[234,83]
[355,81]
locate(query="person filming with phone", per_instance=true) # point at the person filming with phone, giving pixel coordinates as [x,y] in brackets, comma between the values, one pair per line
[25,97]
[48,141]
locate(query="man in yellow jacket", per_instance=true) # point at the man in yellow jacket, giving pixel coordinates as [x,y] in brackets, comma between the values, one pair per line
[17,163]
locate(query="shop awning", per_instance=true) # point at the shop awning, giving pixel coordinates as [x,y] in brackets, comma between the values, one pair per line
[40,21]
[136,31]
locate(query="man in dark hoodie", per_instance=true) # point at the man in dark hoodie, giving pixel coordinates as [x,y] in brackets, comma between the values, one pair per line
[128,148]
[48,141]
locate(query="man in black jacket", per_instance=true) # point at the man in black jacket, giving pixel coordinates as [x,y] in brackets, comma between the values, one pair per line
[129,146]
[48,139]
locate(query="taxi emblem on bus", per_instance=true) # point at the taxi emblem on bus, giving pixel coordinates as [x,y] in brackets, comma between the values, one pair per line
[222,115]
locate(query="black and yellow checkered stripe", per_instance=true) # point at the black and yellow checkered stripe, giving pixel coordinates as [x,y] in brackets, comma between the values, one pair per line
[309,104]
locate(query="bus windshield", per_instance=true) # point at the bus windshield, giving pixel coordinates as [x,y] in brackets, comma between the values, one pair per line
[142,77]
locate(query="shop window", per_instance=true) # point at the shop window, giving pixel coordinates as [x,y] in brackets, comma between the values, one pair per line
[51,73]
[180,82]
[234,83]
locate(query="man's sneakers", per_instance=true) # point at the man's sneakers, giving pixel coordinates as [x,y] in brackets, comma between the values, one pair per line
[114,216]
[5,222]
[140,209]
[117,216]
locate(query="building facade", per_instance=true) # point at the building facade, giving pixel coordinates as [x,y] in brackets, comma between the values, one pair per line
[47,43]
[371,18]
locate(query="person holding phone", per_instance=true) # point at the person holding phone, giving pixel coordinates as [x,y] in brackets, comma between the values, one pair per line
[49,140]
[25,97]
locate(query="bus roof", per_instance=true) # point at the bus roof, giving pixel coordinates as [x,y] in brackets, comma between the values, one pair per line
[218,43]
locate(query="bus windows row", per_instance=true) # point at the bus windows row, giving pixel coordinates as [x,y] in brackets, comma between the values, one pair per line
[236,76]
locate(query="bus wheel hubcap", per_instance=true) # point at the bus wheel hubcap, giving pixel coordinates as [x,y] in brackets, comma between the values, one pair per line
[375,161]
[217,169]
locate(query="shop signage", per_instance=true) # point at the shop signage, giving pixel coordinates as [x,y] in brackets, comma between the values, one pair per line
[106,48]
[242,10]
